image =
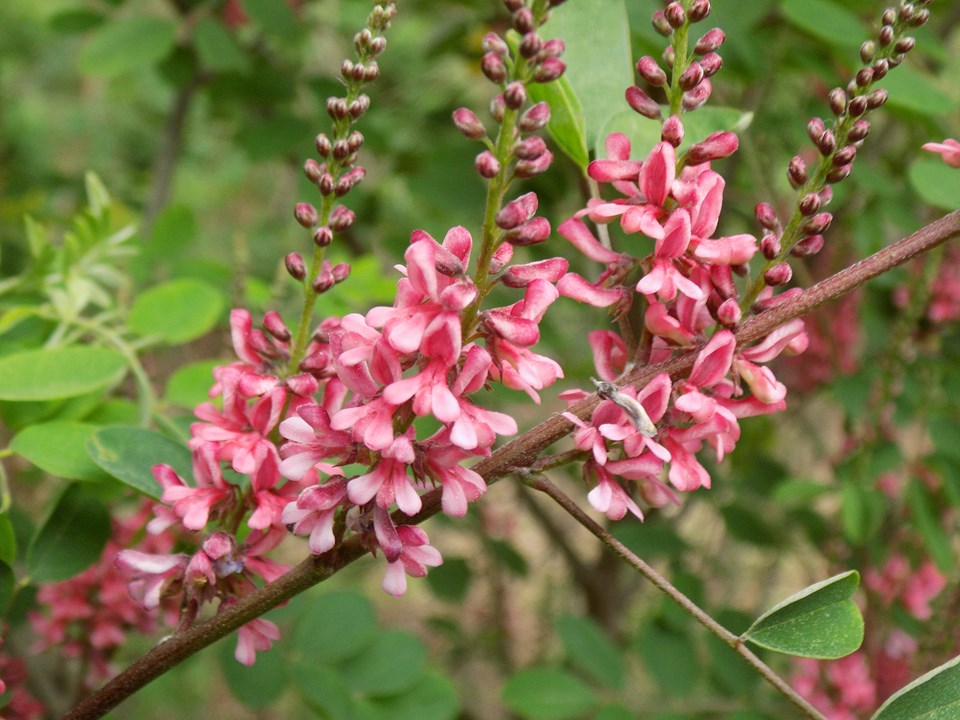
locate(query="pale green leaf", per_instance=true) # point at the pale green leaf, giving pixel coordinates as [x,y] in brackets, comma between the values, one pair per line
[60,373]
[59,448]
[177,311]
[127,44]
[933,696]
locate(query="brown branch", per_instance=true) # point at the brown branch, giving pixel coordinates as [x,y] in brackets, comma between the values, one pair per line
[520,453]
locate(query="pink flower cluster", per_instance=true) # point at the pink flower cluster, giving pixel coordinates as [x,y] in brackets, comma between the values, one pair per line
[690,297]
[18,703]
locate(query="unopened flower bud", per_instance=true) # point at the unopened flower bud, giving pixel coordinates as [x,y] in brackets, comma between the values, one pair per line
[295,266]
[323,282]
[549,70]
[530,45]
[487,165]
[493,43]
[770,246]
[531,148]
[766,216]
[711,64]
[535,118]
[905,11]
[341,218]
[667,56]
[306,215]
[493,67]
[358,107]
[691,77]
[880,69]
[517,212]
[497,108]
[818,224]
[325,184]
[807,246]
[340,272]
[826,195]
[340,149]
[797,171]
[361,41]
[877,98]
[710,41]
[827,142]
[515,95]
[699,10]
[675,15]
[523,21]
[336,108]
[841,172]
[554,47]
[273,324]
[651,71]
[468,124]
[534,231]
[809,204]
[886,36]
[377,46]
[324,146]
[447,263]
[920,18]
[529,168]
[844,156]
[323,236]
[778,275]
[815,128]
[642,103]
[501,257]
[864,77]
[312,169]
[692,99]
[859,131]
[867,51]
[717,145]
[672,130]
[838,100]
[889,16]
[729,314]
[346,69]
[661,24]
[722,278]
[857,106]
[895,61]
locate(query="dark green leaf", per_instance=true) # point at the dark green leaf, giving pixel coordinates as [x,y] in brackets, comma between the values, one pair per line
[547,693]
[258,685]
[451,580]
[217,48]
[129,453]
[927,524]
[615,712]
[567,124]
[589,649]
[177,311]
[912,90]
[273,17]
[70,539]
[508,556]
[335,627]
[8,539]
[826,21]
[59,448]
[434,697]
[748,526]
[60,373]
[933,696]
[128,44]
[391,664]
[7,584]
[75,21]
[669,657]
[820,621]
[321,687]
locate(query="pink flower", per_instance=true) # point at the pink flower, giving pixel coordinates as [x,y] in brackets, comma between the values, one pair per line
[256,636]
[441,463]
[311,440]
[193,505]
[415,557]
[314,510]
[389,481]
[949,150]
[611,499]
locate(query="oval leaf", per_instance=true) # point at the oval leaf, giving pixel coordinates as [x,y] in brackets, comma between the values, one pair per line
[177,311]
[819,622]
[590,649]
[547,694]
[70,539]
[391,664]
[934,696]
[59,448]
[433,698]
[190,384]
[60,373]
[567,124]
[335,627]
[128,44]
[826,21]
[936,183]
[128,453]
[254,686]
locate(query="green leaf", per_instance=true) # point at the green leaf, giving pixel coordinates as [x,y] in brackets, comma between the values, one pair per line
[275,18]
[934,696]
[910,89]
[797,491]
[69,22]
[70,539]
[128,453]
[504,553]
[567,124]
[598,57]
[590,649]
[615,712]
[321,687]
[826,21]
[190,384]
[59,448]
[547,693]
[710,119]
[335,627]
[451,580]
[128,44]
[217,48]
[820,621]
[60,373]
[935,182]
[391,664]
[669,657]
[256,686]
[927,524]
[434,697]
[7,586]
[177,311]
[8,539]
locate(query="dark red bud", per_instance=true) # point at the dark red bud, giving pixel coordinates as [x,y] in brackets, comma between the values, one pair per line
[341,218]
[323,236]
[886,36]
[312,169]
[355,140]
[493,43]
[523,21]
[549,70]
[770,246]
[867,51]
[717,145]
[815,128]
[839,173]
[295,266]
[905,45]
[661,24]
[692,99]
[530,45]
[675,15]
[306,215]
[699,10]
[827,142]
[651,71]
[325,184]
[323,282]
[864,77]
[667,56]
[845,156]
[710,41]
[859,131]
[340,149]
[324,147]
[729,314]
[691,77]
[515,95]
[880,68]
[807,246]
[493,67]
[517,212]
[778,275]
[340,272]
[553,47]
[487,165]
[359,106]
[809,204]
[766,216]
[497,108]
[920,18]
[722,278]
[447,263]
[530,148]
[797,172]
[535,118]
[818,224]
[273,324]
[468,124]
[877,98]
[857,106]
[711,64]
[838,100]
[672,130]
[642,103]
[529,168]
